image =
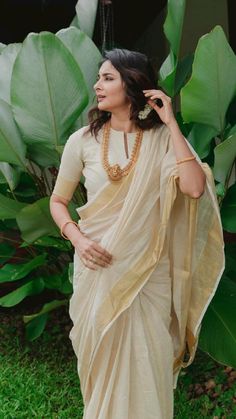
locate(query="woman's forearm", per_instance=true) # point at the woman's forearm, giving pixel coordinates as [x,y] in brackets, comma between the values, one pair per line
[61,215]
[191,176]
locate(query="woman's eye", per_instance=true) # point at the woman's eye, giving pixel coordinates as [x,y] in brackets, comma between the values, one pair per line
[105,78]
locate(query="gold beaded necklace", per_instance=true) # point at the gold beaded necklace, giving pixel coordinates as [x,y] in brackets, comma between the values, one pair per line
[115,172]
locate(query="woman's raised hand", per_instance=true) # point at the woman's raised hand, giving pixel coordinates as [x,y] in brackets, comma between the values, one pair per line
[165,112]
[92,254]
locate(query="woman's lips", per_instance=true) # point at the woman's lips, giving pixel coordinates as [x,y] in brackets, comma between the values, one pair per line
[100,98]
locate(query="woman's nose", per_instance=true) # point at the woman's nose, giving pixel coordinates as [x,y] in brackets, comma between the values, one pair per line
[96,85]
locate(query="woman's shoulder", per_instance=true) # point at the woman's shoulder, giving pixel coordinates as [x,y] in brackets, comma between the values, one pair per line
[80,134]
[78,137]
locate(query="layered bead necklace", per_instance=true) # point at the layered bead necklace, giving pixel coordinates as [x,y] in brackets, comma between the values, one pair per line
[115,173]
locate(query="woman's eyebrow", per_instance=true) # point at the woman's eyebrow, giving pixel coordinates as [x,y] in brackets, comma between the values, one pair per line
[106,74]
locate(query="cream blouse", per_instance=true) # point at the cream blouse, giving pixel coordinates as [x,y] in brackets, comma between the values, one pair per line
[82,156]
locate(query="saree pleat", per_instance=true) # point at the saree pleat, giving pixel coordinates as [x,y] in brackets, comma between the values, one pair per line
[132,380]
[134,321]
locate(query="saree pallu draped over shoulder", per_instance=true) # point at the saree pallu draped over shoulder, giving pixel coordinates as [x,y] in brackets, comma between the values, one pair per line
[134,322]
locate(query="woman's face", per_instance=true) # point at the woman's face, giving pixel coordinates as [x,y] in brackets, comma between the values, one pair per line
[110,89]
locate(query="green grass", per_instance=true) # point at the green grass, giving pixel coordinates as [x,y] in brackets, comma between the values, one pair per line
[39,379]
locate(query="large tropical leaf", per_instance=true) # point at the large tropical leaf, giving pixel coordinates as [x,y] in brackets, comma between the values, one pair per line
[45,309]
[55,242]
[75,22]
[183,72]
[9,208]
[173,30]
[230,257]
[48,91]
[208,93]
[12,148]
[9,175]
[6,251]
[35,328]
[35,221]
[86,14]
[2,46]
[85,52]
[12,272]
[7,59]
[30,288]
[200,138]
[43,156]
[228,210]
[218,333]
[225,154]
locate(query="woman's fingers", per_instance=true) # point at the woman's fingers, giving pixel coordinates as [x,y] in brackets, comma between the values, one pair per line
[94,262]
[92,254]
[96,247]
[100,256]
[91,265]
[156,94]
[153,104]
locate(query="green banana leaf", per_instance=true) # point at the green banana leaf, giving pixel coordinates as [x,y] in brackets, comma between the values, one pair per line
[173,30]
[85,53]
[232,130]
[36,327]
[200,137]
[55,242]
[218,333]
[9,175]
[6,252]
[225,155]
[86,15]
[13,272]
[183,72]
[43,156]
[212,86]
[2,46]
[48,91]
[33,287]
[35,221]
[7,59]
[75,22]
[9,208]
[230,256]
[45,309]
[228,210]
[12,148]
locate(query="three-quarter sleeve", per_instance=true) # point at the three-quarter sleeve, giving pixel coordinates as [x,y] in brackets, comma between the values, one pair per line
[71,166]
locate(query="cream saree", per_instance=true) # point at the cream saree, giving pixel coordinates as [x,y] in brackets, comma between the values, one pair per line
[134,322]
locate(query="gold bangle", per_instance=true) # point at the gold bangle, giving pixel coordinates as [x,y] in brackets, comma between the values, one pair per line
[63,226]
[186,159]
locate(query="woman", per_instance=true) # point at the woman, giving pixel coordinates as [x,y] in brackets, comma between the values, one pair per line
[148,247]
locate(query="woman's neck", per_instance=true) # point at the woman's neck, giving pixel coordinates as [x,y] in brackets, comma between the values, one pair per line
[122,124]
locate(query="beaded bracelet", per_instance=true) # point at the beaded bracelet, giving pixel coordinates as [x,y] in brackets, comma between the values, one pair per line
[186,159]
[63,226]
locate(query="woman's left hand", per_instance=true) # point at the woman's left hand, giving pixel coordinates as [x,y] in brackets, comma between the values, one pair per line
[165,112]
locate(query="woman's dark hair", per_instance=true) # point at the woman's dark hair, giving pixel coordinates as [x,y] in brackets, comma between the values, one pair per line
[137,73]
